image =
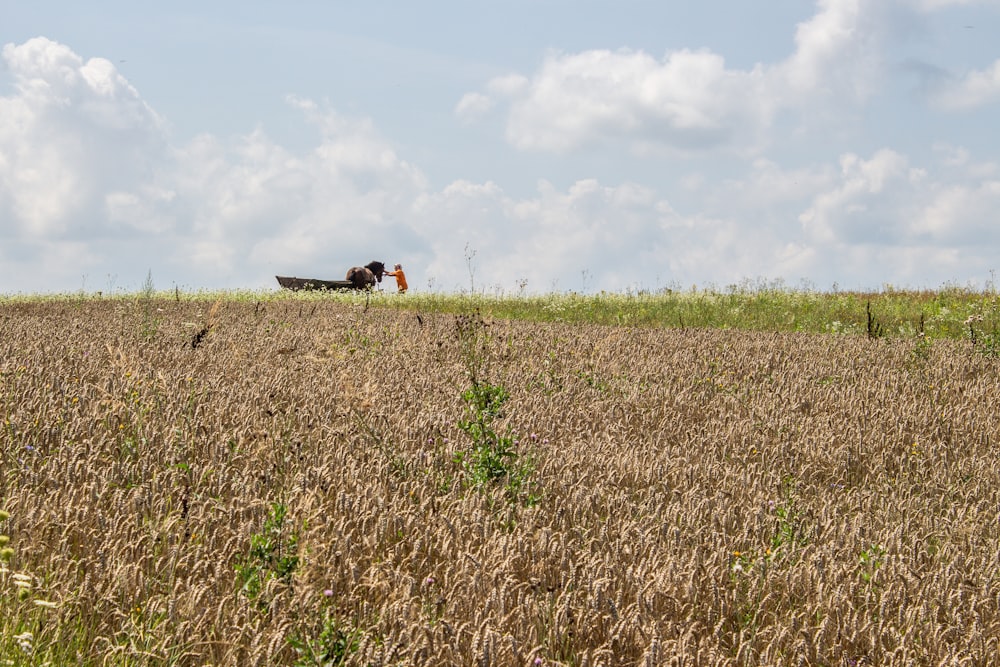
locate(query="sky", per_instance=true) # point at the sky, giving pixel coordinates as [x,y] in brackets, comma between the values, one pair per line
[524,146]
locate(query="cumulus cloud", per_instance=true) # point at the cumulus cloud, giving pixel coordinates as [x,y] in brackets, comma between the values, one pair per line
[971,90]
[473,105]
[88,175]
[882,214]
[228,211]
[687,100]
[73,130]
[836,52]
[92,185]
[692,101]
[866,203]
[611,236]
[249,202]
[960,215]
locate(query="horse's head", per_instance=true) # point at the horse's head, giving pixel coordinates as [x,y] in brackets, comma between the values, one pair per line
[378,268]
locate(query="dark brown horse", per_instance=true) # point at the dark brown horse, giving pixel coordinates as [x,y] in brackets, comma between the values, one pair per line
[364,277]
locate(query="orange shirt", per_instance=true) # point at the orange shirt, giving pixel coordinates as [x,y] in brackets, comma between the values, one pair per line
[400,279]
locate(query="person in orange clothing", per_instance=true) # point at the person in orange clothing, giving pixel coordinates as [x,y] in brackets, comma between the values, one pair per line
[397,273]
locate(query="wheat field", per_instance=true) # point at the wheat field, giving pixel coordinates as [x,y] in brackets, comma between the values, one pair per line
[294,482]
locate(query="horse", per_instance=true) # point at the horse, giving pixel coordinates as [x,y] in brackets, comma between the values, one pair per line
[364,277]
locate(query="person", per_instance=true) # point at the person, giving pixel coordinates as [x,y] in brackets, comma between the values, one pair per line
[397,273]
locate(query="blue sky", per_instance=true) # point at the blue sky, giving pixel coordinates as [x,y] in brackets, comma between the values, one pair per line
[541,146]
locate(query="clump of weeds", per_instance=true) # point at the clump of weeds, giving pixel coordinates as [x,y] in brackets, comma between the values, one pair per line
[492,459]
[273,555]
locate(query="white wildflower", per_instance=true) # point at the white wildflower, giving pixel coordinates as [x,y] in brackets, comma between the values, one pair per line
[24,642]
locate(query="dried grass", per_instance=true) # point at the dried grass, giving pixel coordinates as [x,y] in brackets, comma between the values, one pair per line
[708,497]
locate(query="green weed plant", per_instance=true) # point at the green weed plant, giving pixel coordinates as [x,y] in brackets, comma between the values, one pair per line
[273,555]
[492,460]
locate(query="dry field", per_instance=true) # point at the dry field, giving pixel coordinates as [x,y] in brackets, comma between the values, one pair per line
[276,483]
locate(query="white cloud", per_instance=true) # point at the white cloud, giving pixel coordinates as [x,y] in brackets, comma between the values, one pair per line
[688,100]
[884,216]
[959,161]
[510,84]
[836,51]
[143,211]
[960,215]
[91,186]
[859,222]
[473,105]
[767,185]
[975,89]
[866,203]
[548,240]
[692,101]
[324,210]
[84,157]
[71,131]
